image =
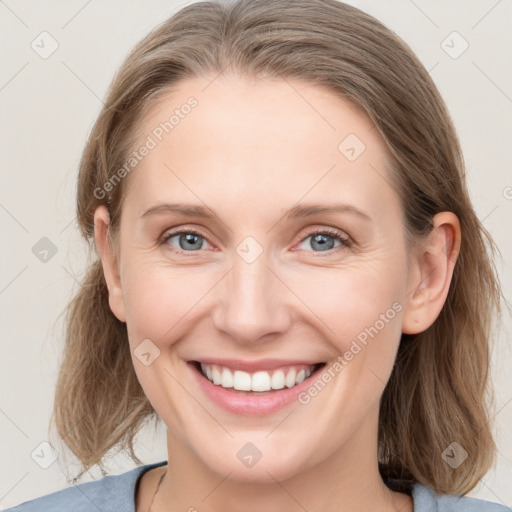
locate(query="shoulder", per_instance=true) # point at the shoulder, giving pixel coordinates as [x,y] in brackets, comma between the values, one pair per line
[113,493]
[427,500]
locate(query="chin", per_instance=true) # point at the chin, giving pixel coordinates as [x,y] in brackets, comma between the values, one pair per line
[273,465]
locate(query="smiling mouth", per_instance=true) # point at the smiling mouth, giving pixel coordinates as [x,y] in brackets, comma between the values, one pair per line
[259,382]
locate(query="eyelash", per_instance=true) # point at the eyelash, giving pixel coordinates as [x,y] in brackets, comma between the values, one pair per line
[346,242]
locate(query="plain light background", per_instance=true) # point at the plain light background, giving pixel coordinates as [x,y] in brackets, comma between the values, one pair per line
[48,107]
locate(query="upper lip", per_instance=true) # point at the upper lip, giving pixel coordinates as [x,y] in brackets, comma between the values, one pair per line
[260,364]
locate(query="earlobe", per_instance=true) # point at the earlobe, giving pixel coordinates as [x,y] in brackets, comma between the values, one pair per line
[433,263]
[109,262]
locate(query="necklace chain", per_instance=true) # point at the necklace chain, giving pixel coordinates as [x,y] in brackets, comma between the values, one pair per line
[157,487]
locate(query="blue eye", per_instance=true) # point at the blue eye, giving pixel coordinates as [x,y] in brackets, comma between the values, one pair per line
[321,241]
[325,240]
[187,240]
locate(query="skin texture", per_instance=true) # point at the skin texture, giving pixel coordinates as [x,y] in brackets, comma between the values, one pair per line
[250,150]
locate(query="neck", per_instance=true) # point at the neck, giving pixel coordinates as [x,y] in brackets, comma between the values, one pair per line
[346,481]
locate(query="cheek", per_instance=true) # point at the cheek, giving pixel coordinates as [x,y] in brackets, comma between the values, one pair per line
[348,301]
[160,299]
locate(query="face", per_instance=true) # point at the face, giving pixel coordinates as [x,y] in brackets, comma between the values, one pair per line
[300,265]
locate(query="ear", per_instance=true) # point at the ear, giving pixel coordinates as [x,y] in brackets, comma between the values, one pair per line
[109,262]
[432,264]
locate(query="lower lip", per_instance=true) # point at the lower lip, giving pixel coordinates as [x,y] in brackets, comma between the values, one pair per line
[254,404]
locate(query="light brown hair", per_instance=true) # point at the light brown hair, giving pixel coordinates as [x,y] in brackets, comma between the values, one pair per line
[439,390]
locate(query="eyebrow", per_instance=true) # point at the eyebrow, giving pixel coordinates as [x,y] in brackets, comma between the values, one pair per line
[298,211]
[183,209]
[305,210]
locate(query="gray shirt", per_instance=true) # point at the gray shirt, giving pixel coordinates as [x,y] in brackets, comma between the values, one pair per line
[116,493]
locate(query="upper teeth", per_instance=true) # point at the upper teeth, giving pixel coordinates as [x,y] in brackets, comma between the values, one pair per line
[258,381]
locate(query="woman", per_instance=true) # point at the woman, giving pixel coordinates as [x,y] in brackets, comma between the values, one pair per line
[289,273]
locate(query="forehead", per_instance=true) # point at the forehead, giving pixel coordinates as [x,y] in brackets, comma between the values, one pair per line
[240,138]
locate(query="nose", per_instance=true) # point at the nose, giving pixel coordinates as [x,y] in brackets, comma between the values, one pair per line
[252,302]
